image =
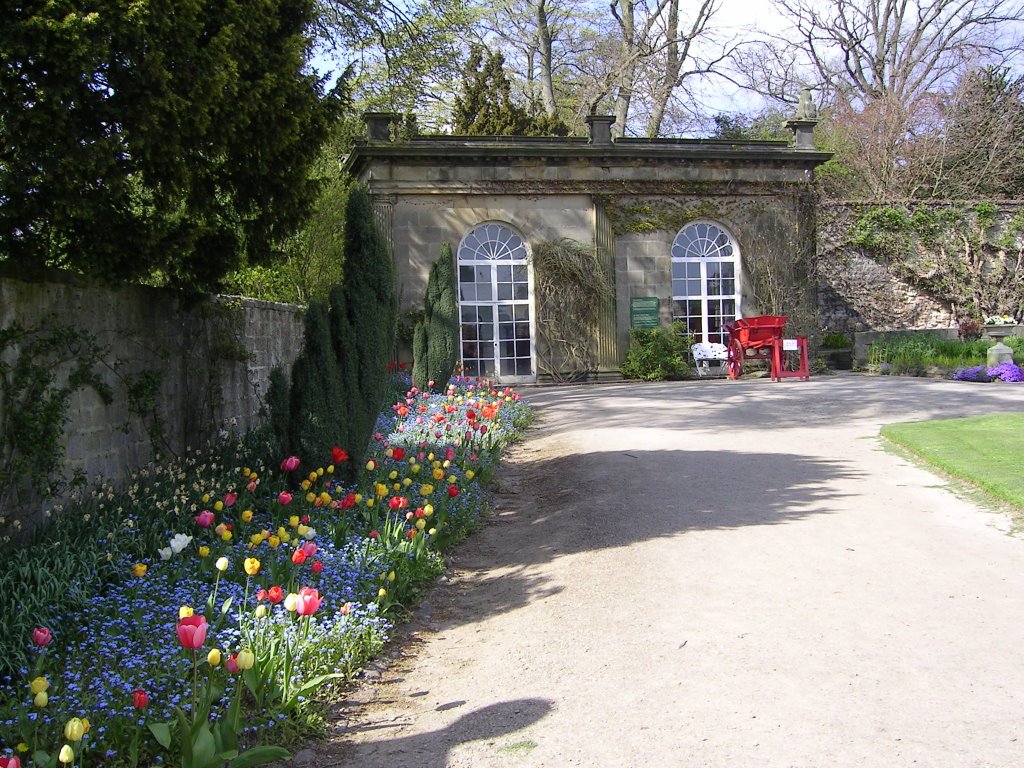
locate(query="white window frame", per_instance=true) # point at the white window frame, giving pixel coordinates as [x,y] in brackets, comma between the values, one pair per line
[700,243]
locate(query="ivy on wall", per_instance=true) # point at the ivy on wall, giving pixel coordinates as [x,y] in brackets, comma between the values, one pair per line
[968,258]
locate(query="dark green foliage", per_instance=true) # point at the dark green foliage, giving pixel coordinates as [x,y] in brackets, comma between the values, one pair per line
[161,141]
[279,409]
[316,407]
[485,107]
[436,340]
[370,316]
[657,354]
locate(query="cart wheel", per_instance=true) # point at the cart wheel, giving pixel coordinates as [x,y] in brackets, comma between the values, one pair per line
[735,362]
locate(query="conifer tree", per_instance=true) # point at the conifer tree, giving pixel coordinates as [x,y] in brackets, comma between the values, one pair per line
[366,321]
[315,408]
[435,344]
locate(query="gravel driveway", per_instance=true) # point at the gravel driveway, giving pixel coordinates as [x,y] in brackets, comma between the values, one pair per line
[715,573]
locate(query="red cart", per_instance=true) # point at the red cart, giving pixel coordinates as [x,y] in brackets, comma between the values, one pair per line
[761,339]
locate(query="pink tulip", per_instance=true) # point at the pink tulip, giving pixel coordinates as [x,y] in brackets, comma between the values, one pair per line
[284,498]
[232,664]
[309,547]
[290,464]
[192,631]
[42,636]
[230,499]
[10,762]
[204,519]
[308,602]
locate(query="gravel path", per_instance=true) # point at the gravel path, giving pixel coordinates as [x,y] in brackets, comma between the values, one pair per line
[715,573]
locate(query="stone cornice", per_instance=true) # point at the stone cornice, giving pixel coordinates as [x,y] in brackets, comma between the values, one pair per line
[605,188]
[461,151]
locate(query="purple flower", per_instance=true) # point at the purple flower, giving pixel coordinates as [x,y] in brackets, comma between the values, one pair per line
[1006,372]
[977,373]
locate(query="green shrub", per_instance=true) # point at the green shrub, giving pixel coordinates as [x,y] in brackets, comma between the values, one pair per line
[835,341]
[657,354]
[916,354]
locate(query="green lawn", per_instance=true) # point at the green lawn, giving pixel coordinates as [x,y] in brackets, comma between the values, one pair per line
[984,451]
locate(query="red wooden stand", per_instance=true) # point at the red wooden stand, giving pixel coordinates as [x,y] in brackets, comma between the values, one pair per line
[779,370]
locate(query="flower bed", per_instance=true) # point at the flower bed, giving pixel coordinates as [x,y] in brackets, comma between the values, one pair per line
[983,373]
[218,596]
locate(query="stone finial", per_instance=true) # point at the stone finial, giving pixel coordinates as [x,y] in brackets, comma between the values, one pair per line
[600,128]
[804,121]
[378,125]
[805,109]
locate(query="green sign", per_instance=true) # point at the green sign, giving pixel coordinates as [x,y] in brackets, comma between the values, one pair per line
[645,312]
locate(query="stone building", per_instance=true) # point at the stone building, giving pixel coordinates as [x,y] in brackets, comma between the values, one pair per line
[697,230]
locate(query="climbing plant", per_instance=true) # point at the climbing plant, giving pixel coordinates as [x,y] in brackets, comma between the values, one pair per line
[971,259]
[570,287]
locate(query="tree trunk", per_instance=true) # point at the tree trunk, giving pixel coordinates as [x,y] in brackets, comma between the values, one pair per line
[547,89]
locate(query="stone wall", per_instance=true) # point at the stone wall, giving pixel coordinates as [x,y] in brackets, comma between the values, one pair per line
[208,358]
[862,291]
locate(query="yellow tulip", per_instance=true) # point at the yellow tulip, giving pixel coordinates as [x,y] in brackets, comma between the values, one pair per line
[246,659]
[204,551]
[382,592]
[40,699]
[319,471]
[226,536]
[139,570]
[330,469]
[391,576]
[470,474]
[206,498]
[430,457]
[222,563]
[313,476]
[251,565]
[302,530]
[426,489]
[421,524]
[290,602]
[185,611]
[261,611]
[415,469]
[38,685]
[213,657]
[74,730]
[406,482]
[66,755]
[432,531]
[247,516]
[274,542]
[438,474]
[452,479]
[428,510]
[256,539]
[86,727]
[293,521]
[218,507]
[304,485]
[246,472]
[310,497]
[392,474]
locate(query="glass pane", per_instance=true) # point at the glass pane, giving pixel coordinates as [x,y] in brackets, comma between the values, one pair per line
[714,307]
[506,331]
[468,314]
[714,287]
[693,269]
[728,287]
[523,348]
[486,314]
[519,274]
[505,313]
[679,269]
[471,367]
[483,274]
[522,311]
[484,292]
[693,288]
[522,291]
[504,273]
[729,308]
[504,291]
[522,330]
[714,268]
[466,274]
[487,332]
[523,367]
[728,268]
[508,367]
[694,308]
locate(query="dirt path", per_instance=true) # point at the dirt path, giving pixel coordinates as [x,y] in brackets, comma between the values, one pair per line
[715,574]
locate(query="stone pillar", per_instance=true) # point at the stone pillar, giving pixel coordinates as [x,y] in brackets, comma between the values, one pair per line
[600,129]
[608,357]
[384,213]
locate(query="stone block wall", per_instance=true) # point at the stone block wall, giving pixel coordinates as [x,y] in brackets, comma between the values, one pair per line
[209,359]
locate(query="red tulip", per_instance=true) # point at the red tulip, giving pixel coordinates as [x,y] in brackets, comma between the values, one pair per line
[398,453]
[298,557]
[140,699]
[230,499]
[204,519]
[10,762]
[232,663]
[275,595]
[453,491]
[192,631]
[338,455]
[374,535]
[308,602]
[316,567]
[42,636]
[284,498]
[290,464]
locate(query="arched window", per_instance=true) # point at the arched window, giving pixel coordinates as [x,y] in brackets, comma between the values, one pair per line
[496,327]
[705,280]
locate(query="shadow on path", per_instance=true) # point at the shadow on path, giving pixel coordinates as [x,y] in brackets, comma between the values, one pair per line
[545,509]
[431,749]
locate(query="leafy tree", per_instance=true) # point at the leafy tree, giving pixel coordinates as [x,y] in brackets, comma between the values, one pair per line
[367,312]
[436,340]
[485,106]
[168,142]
